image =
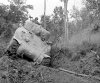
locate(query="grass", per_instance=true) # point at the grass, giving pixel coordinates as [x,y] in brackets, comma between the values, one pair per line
[21,71]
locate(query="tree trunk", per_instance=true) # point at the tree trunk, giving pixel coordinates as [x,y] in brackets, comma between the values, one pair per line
[66,23]
[44,14]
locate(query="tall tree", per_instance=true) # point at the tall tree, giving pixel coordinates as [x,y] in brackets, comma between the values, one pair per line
[18,10]
[44,14]
[66,23]
[54,23]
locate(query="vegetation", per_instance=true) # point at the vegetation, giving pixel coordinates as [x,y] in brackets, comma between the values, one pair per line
[16,12]
[82,58]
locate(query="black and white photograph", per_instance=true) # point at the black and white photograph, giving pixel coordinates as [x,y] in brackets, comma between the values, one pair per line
[49,41]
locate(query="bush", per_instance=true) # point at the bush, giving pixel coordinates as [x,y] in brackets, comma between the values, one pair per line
[57,54]
[18,71]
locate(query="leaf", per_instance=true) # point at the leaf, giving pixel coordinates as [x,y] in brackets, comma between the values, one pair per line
[29,6]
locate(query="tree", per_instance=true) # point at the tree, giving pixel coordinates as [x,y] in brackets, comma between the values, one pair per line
[18,11]
[44,13]
[80,18]
[3,13]
[54,23]
[84,17]
[75,13]
[66,23]
[21,5]
[93,6]
[11,14]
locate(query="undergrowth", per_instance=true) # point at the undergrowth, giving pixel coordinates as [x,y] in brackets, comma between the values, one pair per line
[19,71]
[81,59]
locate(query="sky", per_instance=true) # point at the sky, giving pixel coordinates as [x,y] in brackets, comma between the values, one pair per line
[50,5]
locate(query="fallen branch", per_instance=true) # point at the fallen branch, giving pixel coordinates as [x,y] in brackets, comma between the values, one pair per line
[80,75]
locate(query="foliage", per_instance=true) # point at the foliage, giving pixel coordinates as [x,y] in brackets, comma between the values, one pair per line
[93,7]
[11,14]
[88,15]
[58,54]
[81,57]
[75,13]
[18,11]
[19,71]
[55,23]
